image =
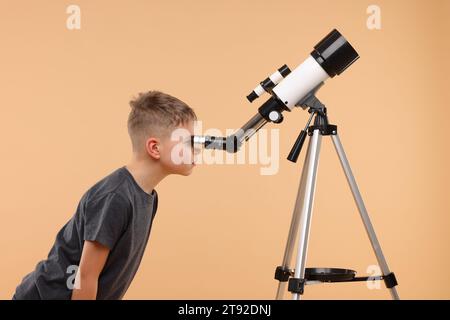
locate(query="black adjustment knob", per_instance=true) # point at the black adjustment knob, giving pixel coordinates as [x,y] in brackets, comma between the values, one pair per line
[297,147]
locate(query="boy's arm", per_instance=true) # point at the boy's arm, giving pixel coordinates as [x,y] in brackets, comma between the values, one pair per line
[93,259]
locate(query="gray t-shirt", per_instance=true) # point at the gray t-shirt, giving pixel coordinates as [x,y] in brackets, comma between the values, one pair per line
[115,212]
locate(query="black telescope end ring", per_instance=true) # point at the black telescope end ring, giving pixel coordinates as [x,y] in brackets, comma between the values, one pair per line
[334,53]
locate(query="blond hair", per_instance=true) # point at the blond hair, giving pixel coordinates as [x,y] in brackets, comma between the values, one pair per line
[156,113]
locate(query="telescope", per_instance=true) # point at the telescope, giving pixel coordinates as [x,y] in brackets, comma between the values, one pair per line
[330,57]
[288,89]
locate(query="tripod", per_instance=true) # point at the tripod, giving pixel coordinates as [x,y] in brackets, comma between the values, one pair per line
[301,218]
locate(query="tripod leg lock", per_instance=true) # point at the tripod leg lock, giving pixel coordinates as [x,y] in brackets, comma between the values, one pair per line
[296,285]
[282,274]
[390,280]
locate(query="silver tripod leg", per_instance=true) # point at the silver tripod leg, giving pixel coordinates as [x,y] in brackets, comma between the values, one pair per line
[307,207]
[362,211]
[294,225]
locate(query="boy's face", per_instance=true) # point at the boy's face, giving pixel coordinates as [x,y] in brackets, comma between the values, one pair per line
[176,153]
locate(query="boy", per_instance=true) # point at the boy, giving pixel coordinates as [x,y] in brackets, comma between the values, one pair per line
[103,243]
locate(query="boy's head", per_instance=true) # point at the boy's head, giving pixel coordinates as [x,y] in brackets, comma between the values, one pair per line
[160,128]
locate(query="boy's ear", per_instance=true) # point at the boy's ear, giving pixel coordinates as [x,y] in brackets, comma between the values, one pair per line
[152,147]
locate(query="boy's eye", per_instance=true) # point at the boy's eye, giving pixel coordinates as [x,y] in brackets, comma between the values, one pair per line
[192,142]
[188,142]
[195,143]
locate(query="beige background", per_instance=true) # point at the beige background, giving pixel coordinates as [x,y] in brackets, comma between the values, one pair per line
[221,232]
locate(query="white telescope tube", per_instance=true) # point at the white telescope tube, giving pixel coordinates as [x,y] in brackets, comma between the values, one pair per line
[300,82]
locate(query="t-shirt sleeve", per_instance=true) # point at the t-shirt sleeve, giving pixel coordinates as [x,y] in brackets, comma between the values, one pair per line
[106,218]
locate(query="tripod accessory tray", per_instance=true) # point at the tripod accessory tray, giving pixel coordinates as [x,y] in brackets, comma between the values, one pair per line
[296,285]
[328,275]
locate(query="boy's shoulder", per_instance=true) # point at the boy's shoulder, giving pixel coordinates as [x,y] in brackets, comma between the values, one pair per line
[112,184]
[120,188]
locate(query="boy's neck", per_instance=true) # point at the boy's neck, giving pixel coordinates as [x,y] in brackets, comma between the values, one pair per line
[146,174]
